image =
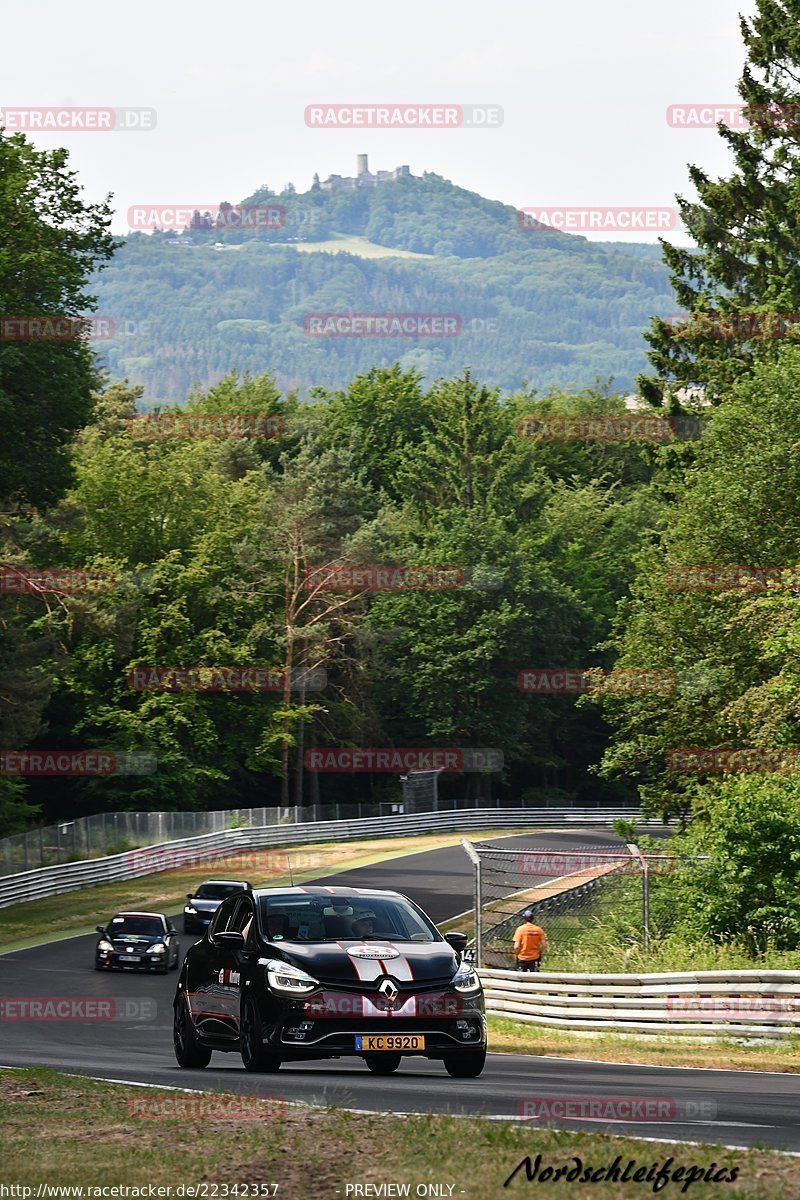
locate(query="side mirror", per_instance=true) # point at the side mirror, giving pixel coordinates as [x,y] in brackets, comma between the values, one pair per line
[172,929]
[189,896]
[231,938]
[99,928]
[457,940]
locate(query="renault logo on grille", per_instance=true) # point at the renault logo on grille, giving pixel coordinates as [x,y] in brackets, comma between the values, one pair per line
[389,991]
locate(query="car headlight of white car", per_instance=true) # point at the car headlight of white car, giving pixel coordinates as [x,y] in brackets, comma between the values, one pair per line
[466,980]
[286,979]
[105,947]
[158,948]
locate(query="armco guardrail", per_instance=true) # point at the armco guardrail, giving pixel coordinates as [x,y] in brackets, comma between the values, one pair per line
[751,1004]
[67,877]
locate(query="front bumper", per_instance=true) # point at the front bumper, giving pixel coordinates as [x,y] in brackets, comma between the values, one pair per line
[122,962]
[198,923]
[448,1022]
[443,1038]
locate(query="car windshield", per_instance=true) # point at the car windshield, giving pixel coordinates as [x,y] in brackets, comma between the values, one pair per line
[216,891]
[125,926]
[294,918]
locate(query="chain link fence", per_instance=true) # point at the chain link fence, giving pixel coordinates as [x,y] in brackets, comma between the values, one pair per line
[116,832]
[568,893]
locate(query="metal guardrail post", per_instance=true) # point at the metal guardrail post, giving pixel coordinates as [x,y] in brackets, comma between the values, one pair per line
[645,867]
[475,859]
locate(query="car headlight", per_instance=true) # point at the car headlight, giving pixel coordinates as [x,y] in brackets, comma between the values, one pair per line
[191,911]
[105,947]
[158,948]
[466,980]
[288,980]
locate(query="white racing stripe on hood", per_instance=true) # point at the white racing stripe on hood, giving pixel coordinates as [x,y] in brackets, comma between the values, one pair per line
[400,967]
[367,969]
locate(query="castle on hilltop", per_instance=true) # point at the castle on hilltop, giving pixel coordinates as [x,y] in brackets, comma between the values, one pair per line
[363,177]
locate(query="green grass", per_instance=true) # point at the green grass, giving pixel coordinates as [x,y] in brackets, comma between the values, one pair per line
[517,1037]
[66,1131]
[342,243]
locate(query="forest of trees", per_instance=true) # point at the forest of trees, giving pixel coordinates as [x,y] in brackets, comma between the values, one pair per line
[566,549]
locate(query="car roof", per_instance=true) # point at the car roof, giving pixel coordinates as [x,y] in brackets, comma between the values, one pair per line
[160,916]
[234,882]
[327,892]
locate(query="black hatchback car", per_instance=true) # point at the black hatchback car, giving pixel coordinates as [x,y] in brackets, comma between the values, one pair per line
[137,941]
[287,974]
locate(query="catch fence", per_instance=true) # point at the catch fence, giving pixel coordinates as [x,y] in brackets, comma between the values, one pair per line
[107,833]
[567,892]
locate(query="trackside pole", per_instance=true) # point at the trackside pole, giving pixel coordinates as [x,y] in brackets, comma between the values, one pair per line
[475,859]
[645,867]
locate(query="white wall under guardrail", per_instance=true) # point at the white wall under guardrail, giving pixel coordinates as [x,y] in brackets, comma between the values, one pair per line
[208,848]
[726,1004]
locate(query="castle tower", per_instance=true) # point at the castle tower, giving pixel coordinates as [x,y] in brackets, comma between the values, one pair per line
[362,164]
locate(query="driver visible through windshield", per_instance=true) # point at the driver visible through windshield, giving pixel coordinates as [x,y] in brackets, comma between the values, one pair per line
[294,918]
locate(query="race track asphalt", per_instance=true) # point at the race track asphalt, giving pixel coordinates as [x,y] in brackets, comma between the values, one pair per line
[136,1043]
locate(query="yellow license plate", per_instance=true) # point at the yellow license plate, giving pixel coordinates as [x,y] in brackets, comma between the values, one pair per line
[390,1041]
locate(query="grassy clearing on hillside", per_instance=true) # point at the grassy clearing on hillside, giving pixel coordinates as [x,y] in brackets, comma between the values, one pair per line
[67,1131]
[352,244]
[80,911]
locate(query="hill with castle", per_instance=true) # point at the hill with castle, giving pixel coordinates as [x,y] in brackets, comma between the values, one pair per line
[534,307]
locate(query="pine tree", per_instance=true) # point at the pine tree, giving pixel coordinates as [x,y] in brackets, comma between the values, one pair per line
[746,227]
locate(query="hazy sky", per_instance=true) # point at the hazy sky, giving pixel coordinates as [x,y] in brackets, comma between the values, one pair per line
[584,88]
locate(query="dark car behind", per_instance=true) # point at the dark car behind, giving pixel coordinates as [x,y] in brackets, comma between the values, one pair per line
[286,974]
[135,941]
[202,904]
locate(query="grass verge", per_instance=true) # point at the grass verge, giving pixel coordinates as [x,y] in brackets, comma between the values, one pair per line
[515,1037]
[59,1130]
[79,911]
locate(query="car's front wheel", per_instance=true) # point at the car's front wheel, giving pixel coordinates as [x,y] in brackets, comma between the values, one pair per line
[382,1064]
[189,1050]
[468,1064]
[255,1056]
